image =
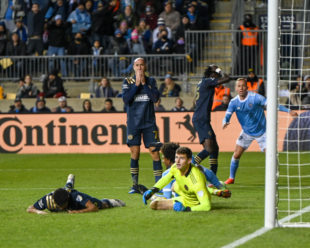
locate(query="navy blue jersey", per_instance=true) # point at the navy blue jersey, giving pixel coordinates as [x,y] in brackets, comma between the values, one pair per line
[77,201]
[204,99]
[139,102]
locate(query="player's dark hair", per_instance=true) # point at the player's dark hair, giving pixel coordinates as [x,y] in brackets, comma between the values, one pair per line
[61,196]
[184,150]
[210,70]
[169,149]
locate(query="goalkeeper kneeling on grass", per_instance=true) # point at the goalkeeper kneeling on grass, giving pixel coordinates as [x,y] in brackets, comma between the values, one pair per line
[190,185]
[69,200]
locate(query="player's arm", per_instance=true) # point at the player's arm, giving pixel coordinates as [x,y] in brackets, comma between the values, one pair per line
[158,186]
[128,91]
[38,206]
[203,197]
[230,110]
[89,207]
[223,80]
[32,209]
[151,90]
[284,109]
[280,108]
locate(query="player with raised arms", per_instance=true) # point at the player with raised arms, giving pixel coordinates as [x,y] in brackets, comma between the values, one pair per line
[249,108]
[202,118]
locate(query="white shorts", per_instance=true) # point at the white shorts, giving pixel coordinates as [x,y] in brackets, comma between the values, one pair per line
[245,140]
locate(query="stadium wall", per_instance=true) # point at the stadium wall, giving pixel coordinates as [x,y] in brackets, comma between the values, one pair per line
[106,133]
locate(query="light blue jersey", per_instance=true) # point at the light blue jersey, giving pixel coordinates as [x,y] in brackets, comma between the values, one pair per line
[167,190]
[250,113]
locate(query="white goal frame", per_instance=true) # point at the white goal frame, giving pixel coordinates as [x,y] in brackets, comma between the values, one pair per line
[271,162]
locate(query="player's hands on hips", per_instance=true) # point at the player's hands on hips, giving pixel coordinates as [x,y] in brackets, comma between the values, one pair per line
[147,195]
[178,207]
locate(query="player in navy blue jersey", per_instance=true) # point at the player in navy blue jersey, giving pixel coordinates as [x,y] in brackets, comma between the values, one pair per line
[139,95]
[70,200]
[201,119]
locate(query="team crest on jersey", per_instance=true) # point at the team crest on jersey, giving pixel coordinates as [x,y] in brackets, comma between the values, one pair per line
[186,187]
[79,198]
[130,137]
[200,193]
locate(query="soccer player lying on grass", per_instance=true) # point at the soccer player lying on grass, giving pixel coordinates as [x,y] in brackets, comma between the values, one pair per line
[168,151]
[249,108]
[72,201]
[190,186]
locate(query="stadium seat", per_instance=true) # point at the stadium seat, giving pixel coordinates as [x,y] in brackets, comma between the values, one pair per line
[10,96]
[85,95]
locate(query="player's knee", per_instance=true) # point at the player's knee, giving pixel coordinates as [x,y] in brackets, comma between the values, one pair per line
[154,205]
[237,156]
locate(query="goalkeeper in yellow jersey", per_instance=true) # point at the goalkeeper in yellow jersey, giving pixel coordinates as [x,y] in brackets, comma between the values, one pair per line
[190,186]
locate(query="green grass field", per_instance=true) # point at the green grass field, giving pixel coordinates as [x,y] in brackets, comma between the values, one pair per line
[26,178]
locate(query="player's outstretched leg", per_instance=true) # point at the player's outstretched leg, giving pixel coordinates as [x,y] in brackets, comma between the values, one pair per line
[234,164]
[117,203]
[211,177]
[112,203]
[70,182]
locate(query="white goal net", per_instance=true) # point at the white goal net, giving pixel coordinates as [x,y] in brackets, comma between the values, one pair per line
[293,182]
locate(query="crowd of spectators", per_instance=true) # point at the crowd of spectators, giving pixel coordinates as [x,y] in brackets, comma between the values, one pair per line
[114,26]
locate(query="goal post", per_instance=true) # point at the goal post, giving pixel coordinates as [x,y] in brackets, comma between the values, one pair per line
[271,131]
[287,174]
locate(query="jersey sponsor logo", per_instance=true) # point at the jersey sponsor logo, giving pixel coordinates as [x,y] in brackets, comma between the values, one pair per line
[130,137]
[79,198]
[200,193]
[142,98]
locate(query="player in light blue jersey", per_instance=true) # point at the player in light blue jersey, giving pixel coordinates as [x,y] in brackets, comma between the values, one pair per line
[249,108]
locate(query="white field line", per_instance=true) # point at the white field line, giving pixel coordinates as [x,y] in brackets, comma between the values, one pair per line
[264,229]
[53,188]
[76,169]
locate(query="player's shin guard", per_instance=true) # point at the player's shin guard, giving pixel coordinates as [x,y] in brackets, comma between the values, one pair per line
[213,162]
[134,171]
[201,156]
[157,169]
[234,164]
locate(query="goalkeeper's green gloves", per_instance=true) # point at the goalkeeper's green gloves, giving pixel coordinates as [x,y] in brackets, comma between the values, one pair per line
[148,194]
[178,207]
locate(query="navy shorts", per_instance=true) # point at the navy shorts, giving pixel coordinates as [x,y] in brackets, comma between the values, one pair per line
[204,131]
[149,135]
